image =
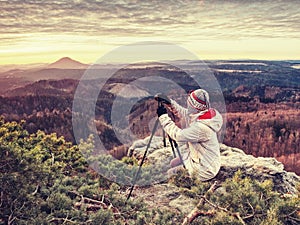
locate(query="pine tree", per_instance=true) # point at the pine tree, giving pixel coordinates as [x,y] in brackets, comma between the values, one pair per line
[46,180]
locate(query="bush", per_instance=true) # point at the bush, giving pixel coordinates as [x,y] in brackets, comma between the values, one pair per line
[41,184]
[242,200]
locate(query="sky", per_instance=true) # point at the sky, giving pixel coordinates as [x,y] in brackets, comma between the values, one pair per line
[37,31]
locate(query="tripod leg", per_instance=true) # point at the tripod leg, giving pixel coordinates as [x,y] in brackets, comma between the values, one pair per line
[164,138]
[143,159]
[176,145]
[178,151]
[172,146]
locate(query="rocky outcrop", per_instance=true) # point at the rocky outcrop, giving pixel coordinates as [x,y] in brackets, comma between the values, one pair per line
[260,168]
[232,160]
[170,197]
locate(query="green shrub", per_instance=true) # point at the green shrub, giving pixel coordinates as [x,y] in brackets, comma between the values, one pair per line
[45,180]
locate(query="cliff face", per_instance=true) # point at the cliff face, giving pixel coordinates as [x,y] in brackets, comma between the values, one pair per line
[232,160]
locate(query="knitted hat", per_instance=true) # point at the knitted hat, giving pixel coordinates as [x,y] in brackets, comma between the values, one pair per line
[199,100]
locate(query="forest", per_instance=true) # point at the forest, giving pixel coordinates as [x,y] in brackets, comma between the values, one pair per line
[262,110]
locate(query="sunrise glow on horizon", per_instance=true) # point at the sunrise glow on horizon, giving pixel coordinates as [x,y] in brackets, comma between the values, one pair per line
[44,31]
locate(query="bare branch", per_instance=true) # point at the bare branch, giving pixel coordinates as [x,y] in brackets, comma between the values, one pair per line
[1,198]
[290,215]
[91,207]
[91,203]
[36,190]
[252,214]
[237,215]
[293,218]
[253,211]
[205,213]
[11,218]
[214,205]
[196,212]
[65,220]
[94,204]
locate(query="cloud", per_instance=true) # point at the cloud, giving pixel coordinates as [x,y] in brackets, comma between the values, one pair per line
[28,22]
[212,19]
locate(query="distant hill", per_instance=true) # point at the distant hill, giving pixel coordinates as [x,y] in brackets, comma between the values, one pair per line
[61,88]
[17,76]
[230,74]
[67,63]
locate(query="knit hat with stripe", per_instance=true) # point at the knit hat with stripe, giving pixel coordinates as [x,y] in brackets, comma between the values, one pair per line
[199,100]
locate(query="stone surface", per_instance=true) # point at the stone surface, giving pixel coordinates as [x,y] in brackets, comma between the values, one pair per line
[166,196]
[170,197]
[232,160]
[260,168]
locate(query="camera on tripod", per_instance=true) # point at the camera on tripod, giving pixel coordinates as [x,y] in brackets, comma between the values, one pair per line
[161,99]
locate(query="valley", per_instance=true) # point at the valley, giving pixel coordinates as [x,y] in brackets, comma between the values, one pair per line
[261,97]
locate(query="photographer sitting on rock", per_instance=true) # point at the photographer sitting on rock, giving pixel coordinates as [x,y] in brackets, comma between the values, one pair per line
[203,158]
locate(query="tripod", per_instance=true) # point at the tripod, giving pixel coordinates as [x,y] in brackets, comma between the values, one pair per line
[173,144]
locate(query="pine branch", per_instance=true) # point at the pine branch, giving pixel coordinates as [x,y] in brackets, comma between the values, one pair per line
[290,215]
[196,212]
[237,215]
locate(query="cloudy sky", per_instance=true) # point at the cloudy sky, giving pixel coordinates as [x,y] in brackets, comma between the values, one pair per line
[34,31]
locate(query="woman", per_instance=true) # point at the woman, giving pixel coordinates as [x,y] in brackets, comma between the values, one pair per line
[203,158]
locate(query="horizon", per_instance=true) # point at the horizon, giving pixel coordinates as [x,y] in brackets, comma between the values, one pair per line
[42,32]
[91,63]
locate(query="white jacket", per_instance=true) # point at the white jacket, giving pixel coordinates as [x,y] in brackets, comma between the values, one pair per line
[201,137]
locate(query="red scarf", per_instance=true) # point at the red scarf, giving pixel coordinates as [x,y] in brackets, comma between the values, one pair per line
[211,113]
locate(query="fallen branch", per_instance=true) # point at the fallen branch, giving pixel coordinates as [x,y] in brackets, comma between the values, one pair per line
[11,219]
[65,220]
[237,215]
[196,211]
[89,202]
[250,215]
[1,198]
[90,207]
[94,204]
[36,190]
[205,213]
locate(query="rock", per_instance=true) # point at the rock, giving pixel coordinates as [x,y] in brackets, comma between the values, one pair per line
[138,147]
[167,196]
[260,168]
[232,160]
[157,152]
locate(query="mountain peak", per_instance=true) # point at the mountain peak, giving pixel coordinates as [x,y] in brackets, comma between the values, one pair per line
[67,63]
